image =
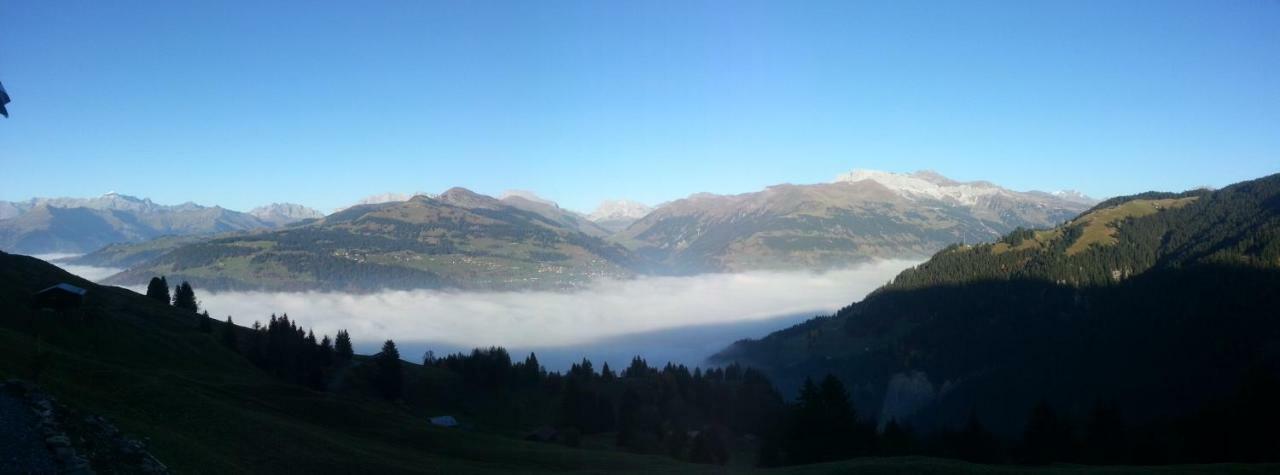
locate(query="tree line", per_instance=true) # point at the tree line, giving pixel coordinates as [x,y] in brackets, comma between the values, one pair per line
[184,296]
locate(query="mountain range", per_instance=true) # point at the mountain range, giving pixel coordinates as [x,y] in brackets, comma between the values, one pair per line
[1157,304]
[861,216]
[78,225]
[1141,331]
[465,239]
[281,214]
[456,239]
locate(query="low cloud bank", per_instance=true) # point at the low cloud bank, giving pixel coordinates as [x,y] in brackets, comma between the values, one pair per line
[96,274]
[680,319]
[529,320]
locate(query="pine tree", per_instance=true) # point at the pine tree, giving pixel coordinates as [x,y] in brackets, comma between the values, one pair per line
[184,297]
[342,346]
[606,374]
[229,334]
[389,379]
[158,289]
[206,323]
[325,352]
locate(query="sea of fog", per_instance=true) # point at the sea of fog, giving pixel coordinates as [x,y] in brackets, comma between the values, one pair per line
[88,272]
[678,319]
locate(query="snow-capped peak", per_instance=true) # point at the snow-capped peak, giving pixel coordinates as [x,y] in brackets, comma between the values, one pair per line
[1074,196]
[284,213]
[924,184]
[618,210]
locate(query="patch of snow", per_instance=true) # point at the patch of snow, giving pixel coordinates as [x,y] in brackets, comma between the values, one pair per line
[926,185]
[619,210]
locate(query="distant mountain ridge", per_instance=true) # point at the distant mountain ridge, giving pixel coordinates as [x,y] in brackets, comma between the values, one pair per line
[616,215]
[529,201]
[927,184]
[863,215]
[280,214]
[391,197]
[457,239]
[78,225]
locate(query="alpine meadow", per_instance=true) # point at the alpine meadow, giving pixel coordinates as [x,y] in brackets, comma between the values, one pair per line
[640,237]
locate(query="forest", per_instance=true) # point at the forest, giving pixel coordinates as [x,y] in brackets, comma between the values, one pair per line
[735,415]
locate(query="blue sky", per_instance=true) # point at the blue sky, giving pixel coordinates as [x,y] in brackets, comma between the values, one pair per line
[322,103]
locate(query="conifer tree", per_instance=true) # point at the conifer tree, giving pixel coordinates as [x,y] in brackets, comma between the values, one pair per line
[158,289]
[607,374]
[229,334]
[325,352]
[184,297]
[206,323]
[388,378]
[342,346]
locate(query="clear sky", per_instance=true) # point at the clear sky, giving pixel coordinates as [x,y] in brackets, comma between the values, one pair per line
[322,103]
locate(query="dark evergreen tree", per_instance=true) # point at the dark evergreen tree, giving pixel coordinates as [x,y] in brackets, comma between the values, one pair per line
[185,298]
[388,377]
[824,425]
[206,323]
[229,335]
[342,346]
[325,352]
[158,289]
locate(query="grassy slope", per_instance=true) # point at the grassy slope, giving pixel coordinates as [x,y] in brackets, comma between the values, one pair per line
[1099,225]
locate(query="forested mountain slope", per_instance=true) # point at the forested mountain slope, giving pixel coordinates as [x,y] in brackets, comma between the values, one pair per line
[1160,303]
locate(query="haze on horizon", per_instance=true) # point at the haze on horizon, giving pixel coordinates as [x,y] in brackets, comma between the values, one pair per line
[585,101]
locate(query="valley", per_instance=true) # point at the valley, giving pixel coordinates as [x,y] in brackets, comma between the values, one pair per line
[693,237]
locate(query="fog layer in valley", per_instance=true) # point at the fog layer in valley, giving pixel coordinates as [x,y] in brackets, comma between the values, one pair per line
[681,319]
[88,272]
